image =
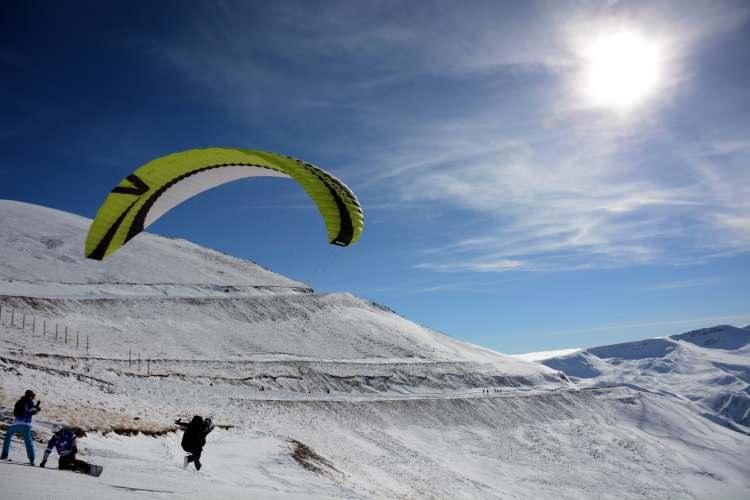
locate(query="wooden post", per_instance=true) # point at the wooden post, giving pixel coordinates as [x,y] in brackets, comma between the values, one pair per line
[148,367]
[78,332]
[139,361]
[33,325]
[23,322]
[87,344]
[66,334]
[55,332]
[44,326]
[12,318]
[130,356]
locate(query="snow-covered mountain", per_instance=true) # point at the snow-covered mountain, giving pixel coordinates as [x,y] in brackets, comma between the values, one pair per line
[317,395]
[42,255]
[170,299]
[710,367]
[541,355]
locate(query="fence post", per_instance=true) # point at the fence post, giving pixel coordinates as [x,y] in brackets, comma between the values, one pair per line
[148,367]
[12,318]
[66,334]
[44,326]
[55,332]
[139,362]
[77,333]
[130,356]
[87,344]
[23,322]
[33,325]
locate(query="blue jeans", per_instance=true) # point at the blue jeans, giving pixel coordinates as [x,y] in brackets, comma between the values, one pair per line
[25,432]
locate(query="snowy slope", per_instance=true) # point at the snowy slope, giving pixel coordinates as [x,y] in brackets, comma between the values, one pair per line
[541,355]
[381,407]
[169,299]
[610,444]
[710,367]
[42,255]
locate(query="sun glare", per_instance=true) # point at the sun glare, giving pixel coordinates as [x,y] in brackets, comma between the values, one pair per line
[621,70]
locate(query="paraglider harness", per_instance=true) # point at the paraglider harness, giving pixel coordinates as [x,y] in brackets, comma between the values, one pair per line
[196,431]
[194,438]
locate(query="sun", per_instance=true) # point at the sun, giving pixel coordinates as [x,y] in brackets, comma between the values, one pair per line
[621,70]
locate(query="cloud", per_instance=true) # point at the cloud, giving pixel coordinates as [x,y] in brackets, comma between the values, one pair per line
[672,285]
[731,146]
[481,265]
[584,191]
[471,112]
[581,211]
[238,47]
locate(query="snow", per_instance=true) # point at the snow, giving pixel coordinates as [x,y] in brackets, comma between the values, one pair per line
[387,408]
[147,467]
[191,302]
[710,367]
[570,444]
[542,355]
[43,256]
[718,337]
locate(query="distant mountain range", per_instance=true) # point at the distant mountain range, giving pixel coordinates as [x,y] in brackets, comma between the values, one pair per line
[710,367]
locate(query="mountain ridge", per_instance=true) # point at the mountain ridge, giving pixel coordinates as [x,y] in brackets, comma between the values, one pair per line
[194,302]
[708,366]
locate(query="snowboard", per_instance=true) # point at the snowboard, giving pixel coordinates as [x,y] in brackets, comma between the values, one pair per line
[95,470]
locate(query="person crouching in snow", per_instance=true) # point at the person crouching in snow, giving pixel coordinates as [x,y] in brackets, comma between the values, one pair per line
[64,441]
[23,410]
[194,438]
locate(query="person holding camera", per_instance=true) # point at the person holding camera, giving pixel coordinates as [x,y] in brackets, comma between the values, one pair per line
[23,410]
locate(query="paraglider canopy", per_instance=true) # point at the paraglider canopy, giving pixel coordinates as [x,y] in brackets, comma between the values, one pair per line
[162,184]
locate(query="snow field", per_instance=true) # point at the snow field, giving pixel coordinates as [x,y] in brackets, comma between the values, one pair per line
[381,407]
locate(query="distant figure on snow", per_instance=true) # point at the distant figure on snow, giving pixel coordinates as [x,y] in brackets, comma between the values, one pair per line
[64,441]
[23,410]
[194,438]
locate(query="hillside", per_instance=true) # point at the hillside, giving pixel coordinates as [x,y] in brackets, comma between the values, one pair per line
[170,299]
[43,256]
[316,395]
[710,367]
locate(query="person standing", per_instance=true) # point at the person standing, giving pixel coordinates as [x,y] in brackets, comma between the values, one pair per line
[23,410]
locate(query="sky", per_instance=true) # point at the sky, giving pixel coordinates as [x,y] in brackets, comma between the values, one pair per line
[535,175]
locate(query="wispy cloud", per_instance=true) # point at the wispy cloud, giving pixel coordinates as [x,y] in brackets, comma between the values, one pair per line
[429,285]
[472,110]
[672,285]
[586,192]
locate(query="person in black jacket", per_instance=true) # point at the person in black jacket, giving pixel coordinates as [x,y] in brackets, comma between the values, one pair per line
[194,438]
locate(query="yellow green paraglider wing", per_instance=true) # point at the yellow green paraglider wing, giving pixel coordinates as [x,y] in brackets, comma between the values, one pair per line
[161,184]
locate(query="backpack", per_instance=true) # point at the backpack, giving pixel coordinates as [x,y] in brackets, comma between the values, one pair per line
[194,439]
[20,407]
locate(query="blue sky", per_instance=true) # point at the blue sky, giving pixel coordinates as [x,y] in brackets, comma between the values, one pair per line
[505,203]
